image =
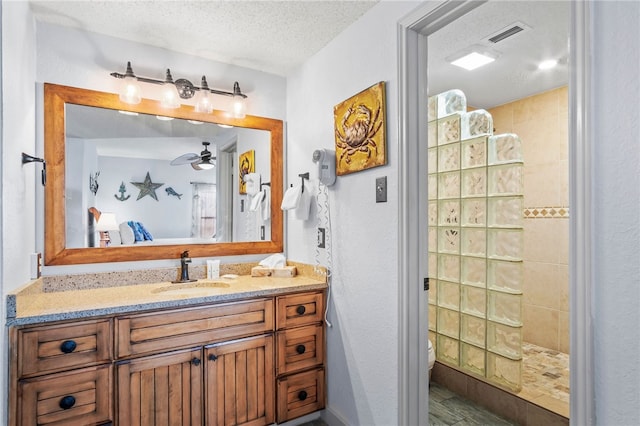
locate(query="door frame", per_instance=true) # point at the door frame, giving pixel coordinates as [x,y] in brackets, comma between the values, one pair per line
[412,209]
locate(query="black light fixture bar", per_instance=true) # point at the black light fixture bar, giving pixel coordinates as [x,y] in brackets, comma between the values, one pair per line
[186,89]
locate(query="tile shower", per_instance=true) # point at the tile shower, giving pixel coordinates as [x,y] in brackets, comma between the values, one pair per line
[463,321]
[475,242]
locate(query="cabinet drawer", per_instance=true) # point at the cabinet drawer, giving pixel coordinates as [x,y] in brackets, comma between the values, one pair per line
[300,348]
[58,347]
[80,397]
[300,394]
[162,331]
[299,309]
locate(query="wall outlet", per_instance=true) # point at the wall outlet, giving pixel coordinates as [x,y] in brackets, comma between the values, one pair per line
[321,236]
[241,206]
[262,232]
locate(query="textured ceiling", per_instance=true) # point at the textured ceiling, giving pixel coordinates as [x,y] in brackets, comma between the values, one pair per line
[514,74]
[270,36]
[278,36]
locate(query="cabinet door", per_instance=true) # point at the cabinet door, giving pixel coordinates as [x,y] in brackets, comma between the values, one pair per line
[239,382]
[163,389]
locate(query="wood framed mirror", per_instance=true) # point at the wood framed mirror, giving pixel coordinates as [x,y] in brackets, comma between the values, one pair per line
[59,100]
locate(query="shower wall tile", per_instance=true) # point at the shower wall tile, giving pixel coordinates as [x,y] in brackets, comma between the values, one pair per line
[505,371]
[505,308]
[449,240]
[448,185]
[505,180]
[547,241]
[545,285]
[449,295]
[540,105]
[505,244]
[433,291]
[474,182]
[473,271]
[474,153]
[433,317]
[447,350]
[474,212]
[473,330]
[449,157]
[563,332]
[505,276]
[432,164]
[504,340]
[505,212]
[541,326]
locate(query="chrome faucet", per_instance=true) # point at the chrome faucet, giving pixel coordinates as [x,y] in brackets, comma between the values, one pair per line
[184,268]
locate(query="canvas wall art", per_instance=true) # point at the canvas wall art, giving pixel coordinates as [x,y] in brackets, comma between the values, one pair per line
[359,127]
[246,164]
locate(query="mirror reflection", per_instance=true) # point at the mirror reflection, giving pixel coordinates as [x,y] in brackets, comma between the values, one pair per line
[171,181]
[176,184]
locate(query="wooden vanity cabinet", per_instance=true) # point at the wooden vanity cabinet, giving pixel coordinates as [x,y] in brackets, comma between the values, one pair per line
[61,374]
[300,355]
[250,362]
[226,379]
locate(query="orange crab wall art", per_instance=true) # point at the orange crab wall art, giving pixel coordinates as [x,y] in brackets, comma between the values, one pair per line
[359,127]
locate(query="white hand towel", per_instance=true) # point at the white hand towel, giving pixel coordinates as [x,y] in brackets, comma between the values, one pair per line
[266,204]
[291,198]
[252,183]
[302,211]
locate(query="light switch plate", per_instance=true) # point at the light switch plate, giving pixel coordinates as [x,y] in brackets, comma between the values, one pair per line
[381,189]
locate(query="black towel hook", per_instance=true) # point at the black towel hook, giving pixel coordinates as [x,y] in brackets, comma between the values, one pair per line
[26,158]
[303,176]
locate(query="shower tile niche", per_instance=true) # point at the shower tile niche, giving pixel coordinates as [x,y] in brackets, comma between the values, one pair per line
[475,241]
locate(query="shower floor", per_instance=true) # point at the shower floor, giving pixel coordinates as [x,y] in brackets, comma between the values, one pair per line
[545,378]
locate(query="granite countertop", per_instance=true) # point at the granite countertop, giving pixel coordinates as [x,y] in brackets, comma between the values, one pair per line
[34,303]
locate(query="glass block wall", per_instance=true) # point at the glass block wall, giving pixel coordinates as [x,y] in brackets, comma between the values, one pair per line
[475,186]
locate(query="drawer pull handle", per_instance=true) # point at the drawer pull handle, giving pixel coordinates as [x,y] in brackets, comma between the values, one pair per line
[302,395]
[301,309]
[195,361]
[300,349]
[212,357]
[67,402]
[68,346]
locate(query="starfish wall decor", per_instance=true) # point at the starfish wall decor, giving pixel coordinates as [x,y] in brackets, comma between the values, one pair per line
[147,188]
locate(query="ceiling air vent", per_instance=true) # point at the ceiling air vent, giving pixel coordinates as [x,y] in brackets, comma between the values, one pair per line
[507,32]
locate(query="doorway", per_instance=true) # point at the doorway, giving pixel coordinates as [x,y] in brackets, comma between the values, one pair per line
[413,33]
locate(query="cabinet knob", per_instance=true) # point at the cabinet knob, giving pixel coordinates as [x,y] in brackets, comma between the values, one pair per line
[68,346]
[195,361]
[302,395]
[67,402]
[301,309]
[300,349]
[212,357]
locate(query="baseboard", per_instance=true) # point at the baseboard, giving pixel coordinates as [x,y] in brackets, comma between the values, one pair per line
[332,418]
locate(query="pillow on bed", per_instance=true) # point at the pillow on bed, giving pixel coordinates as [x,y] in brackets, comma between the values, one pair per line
[146,234]
[126,234]
[114,237]
[136,231]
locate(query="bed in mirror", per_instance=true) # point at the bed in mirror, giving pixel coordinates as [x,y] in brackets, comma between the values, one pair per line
[175,178]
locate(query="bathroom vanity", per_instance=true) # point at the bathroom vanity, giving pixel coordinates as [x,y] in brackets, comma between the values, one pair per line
[247,351]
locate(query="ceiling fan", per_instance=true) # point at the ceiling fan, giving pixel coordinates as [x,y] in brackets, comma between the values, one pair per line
[198,162]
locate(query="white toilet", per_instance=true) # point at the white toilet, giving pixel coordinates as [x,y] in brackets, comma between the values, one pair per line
[432,358]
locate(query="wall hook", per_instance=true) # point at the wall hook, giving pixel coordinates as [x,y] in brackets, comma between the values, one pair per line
[26,158]
[303,176]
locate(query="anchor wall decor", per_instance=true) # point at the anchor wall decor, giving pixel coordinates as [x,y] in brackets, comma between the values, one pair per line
[122,190]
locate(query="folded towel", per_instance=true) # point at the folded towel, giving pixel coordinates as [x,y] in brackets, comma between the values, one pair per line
[266,204]
[252,183]
[302,210]
[255,201]
[291,198]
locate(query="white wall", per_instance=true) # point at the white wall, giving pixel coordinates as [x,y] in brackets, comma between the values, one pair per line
[616,178]
[362,345]
[18,182]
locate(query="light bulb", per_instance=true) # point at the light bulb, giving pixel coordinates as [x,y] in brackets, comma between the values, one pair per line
[239,107]
[130,92]
[170,97]
[204,102]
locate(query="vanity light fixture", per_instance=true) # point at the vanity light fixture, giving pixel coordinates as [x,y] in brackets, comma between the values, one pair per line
[131,93]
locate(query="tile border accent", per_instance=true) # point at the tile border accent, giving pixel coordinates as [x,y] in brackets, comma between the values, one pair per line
[546,212]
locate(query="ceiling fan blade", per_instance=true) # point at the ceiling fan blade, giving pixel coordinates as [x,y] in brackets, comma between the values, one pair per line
[185,159]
